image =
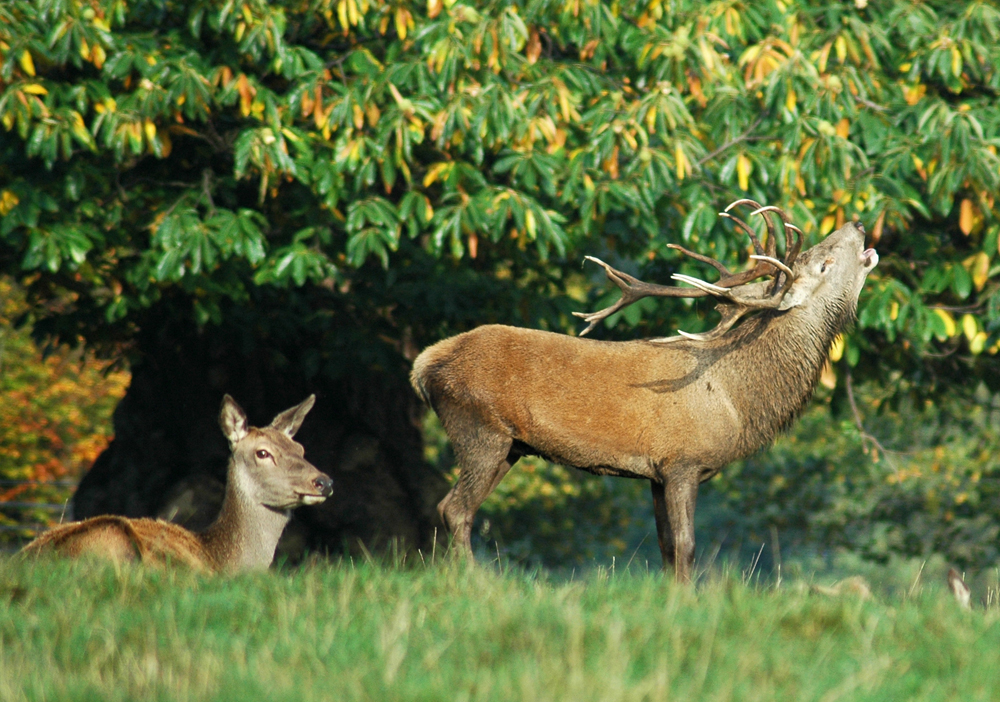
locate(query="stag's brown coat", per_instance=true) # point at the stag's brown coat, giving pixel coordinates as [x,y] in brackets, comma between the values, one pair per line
[267,477]
[673,413]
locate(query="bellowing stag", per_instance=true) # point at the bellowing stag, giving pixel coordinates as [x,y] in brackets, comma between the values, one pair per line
[673,411]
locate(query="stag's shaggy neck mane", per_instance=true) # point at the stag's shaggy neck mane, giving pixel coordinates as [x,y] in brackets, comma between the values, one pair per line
[791,347]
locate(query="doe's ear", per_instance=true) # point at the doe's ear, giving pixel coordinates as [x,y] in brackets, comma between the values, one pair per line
[290,420]
[233,420]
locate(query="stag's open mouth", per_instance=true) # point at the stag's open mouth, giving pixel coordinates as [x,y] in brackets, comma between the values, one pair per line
[870,257]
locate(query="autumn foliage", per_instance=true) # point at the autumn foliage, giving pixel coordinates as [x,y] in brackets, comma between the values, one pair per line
[55,413]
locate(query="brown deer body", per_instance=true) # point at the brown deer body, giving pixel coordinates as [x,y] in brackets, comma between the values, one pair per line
[267,477]
[673,413]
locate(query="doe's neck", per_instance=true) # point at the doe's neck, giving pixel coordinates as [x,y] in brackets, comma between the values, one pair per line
[246,533]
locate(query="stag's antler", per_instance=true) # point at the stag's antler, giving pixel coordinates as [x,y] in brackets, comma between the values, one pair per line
[733,303]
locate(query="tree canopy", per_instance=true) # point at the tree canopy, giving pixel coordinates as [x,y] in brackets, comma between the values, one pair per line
[197,150]
[415,169]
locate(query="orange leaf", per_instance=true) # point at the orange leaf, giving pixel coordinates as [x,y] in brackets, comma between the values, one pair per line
[966,216]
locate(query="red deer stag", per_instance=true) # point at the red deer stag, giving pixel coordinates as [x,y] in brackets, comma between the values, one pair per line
[673,411]
[267,477]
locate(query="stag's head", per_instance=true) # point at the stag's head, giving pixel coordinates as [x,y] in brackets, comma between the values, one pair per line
[829,276]
[825,280]
[268,465]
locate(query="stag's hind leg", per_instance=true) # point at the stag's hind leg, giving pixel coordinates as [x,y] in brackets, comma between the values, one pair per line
[484,458]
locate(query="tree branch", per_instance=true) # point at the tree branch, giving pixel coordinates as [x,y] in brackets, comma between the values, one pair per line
[732,142]
[866,438]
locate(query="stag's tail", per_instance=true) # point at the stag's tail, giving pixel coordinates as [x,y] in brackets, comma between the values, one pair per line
[418,376]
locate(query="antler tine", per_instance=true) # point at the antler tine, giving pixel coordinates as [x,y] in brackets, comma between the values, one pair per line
[746,228]
[772,231]
[790,256]
[704,259]
[633,290]
[730,315]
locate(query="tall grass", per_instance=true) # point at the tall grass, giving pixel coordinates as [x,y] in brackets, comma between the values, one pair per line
[79,631]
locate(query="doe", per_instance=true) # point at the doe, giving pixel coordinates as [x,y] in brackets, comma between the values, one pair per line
[267,477]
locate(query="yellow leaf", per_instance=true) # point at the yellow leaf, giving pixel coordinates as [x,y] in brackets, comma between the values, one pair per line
[150,130]
[98,56]
[438,170]
[965,216]
[373,113]
[828,377]
[428,210]
[913,93]
[950,328]
[790,100]
[534,48]
[8,201]
[969,326]
[844,128]
[841,47]
[877,229]
[681,160]
[27,64]
[837,348]
[84,50]
[434,8]
[743,168]
[894,310]
[979,267]
[651,118]
[827,225]
[34,89]
[529,223]
[401,15]
[359,116]
[977,343]
[824,56]
[246,92]
[956,62]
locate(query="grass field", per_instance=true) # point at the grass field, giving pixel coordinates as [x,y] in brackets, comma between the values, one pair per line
[79,631]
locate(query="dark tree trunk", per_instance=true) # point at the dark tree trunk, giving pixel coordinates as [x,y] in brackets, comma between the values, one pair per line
[169,456]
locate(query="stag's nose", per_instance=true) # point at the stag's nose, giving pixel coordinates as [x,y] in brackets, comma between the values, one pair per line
[860,227]
[324,484]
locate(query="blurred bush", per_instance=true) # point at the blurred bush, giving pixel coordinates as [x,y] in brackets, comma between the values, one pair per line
[55,412]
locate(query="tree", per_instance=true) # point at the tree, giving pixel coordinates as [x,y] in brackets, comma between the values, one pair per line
[310,191]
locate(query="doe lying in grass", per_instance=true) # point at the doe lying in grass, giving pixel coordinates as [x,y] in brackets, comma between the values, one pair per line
[267,477]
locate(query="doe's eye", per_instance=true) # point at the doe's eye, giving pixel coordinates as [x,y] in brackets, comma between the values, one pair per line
[262,454]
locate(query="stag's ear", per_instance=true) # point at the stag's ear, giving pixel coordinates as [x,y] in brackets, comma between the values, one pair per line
[802,289]
[290,420]
[233,420]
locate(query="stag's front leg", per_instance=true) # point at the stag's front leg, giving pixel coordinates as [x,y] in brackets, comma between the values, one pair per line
[675,528]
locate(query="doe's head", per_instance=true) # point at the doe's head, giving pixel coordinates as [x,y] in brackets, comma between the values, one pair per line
[268,466]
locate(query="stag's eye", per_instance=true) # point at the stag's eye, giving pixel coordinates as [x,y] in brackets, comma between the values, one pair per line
[827,262]
[262,454]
